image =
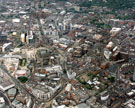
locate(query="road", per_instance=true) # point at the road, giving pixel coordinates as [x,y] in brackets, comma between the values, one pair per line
[49,102]
[7,101]
[21,87]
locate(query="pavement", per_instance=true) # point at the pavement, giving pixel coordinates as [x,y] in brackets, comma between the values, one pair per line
[17,83]
[2,94]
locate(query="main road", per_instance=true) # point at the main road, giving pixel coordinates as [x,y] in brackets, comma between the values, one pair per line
[17,83]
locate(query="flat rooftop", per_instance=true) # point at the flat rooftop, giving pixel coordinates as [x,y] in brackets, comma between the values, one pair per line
[5,84]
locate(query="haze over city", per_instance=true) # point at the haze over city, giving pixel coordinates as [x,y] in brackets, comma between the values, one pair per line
[67,53]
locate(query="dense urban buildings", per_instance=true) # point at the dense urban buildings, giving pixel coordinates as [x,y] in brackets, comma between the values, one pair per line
[67,54]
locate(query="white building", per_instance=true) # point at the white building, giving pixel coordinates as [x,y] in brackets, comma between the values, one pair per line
[23,37]
[16,20]
[129,104]
[2,102]
[68,87]
[29,53]
[11,63]
[20,73]
[56,68]
[6,46]
[51,33]
[115,30]
[71,75]
[107,54]
[5,81]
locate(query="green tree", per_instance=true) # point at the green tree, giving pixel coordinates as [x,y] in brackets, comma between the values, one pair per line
[88,87]
[22,79]
[111,79]
[86,4]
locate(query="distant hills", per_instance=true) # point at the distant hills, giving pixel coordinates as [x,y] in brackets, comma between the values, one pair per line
[114,4]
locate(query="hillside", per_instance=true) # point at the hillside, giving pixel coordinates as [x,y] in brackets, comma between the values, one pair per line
[114,4]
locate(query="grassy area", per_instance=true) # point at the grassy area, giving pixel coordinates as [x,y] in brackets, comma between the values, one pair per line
[82,81]
[111,79]
[22,79]
[89,74]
